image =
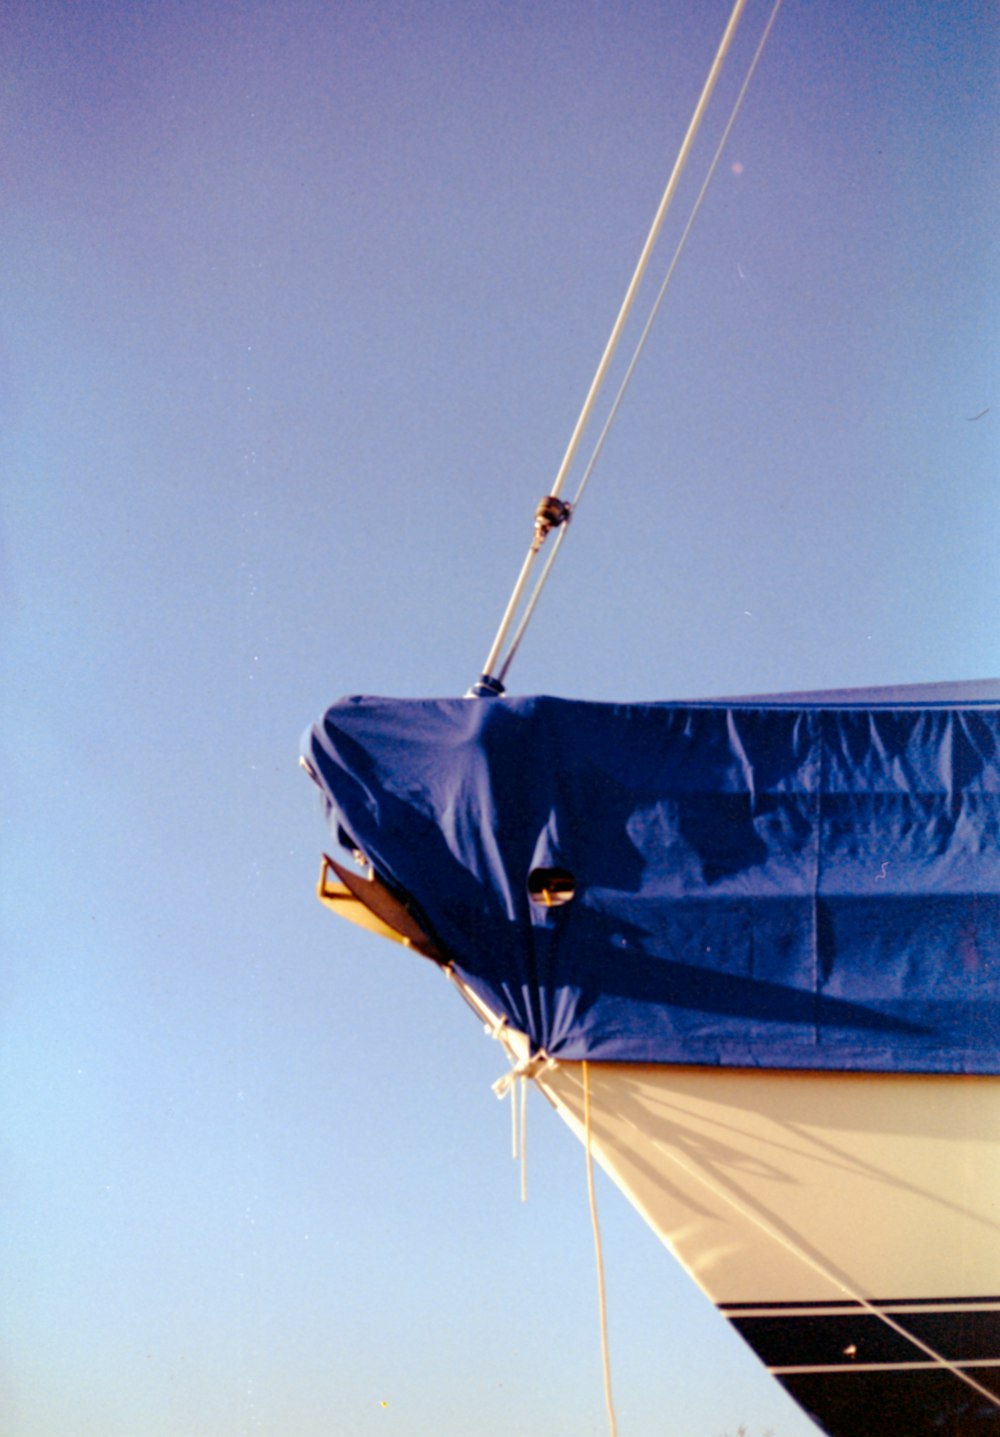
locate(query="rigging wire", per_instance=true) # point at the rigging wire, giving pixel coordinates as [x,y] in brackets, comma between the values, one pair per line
[488,684]
[529,610]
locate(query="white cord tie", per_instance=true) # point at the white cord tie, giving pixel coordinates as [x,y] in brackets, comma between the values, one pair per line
[510,1083]
[526,1068]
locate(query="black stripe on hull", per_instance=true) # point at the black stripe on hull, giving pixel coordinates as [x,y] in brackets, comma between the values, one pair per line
[922,1403]
[852,1339]
[857,1376]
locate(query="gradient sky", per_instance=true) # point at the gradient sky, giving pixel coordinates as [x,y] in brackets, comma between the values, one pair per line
[300,303]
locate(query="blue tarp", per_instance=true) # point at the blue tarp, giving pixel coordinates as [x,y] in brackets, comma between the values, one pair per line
[809,882]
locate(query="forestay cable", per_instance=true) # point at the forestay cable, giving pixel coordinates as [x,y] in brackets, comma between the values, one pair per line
[552,510]
[529,610]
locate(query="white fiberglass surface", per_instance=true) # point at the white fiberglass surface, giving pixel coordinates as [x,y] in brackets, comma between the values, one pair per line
[789,1187]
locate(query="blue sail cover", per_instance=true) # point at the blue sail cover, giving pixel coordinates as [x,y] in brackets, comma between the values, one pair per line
[811,882]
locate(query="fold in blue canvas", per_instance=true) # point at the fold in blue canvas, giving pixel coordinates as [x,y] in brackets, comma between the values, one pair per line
[807,882]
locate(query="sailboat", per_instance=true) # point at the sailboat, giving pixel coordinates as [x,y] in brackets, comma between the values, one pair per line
[749,950]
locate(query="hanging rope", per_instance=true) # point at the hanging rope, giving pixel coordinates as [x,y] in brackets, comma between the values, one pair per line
[529,610]
[487,683]
[518,1090]
[524,1139]
[605,1358]
[515,1084]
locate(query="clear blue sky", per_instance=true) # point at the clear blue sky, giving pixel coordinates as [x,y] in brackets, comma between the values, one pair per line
[300,302]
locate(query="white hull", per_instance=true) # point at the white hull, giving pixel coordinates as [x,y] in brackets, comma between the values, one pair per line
[800,1187]
[848,1224]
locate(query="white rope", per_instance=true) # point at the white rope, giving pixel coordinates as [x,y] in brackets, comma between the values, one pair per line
[623,314]
[605,1357]
[515,643]
[529,1067]
[524,1138]
[519,1128]
[515,1084]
